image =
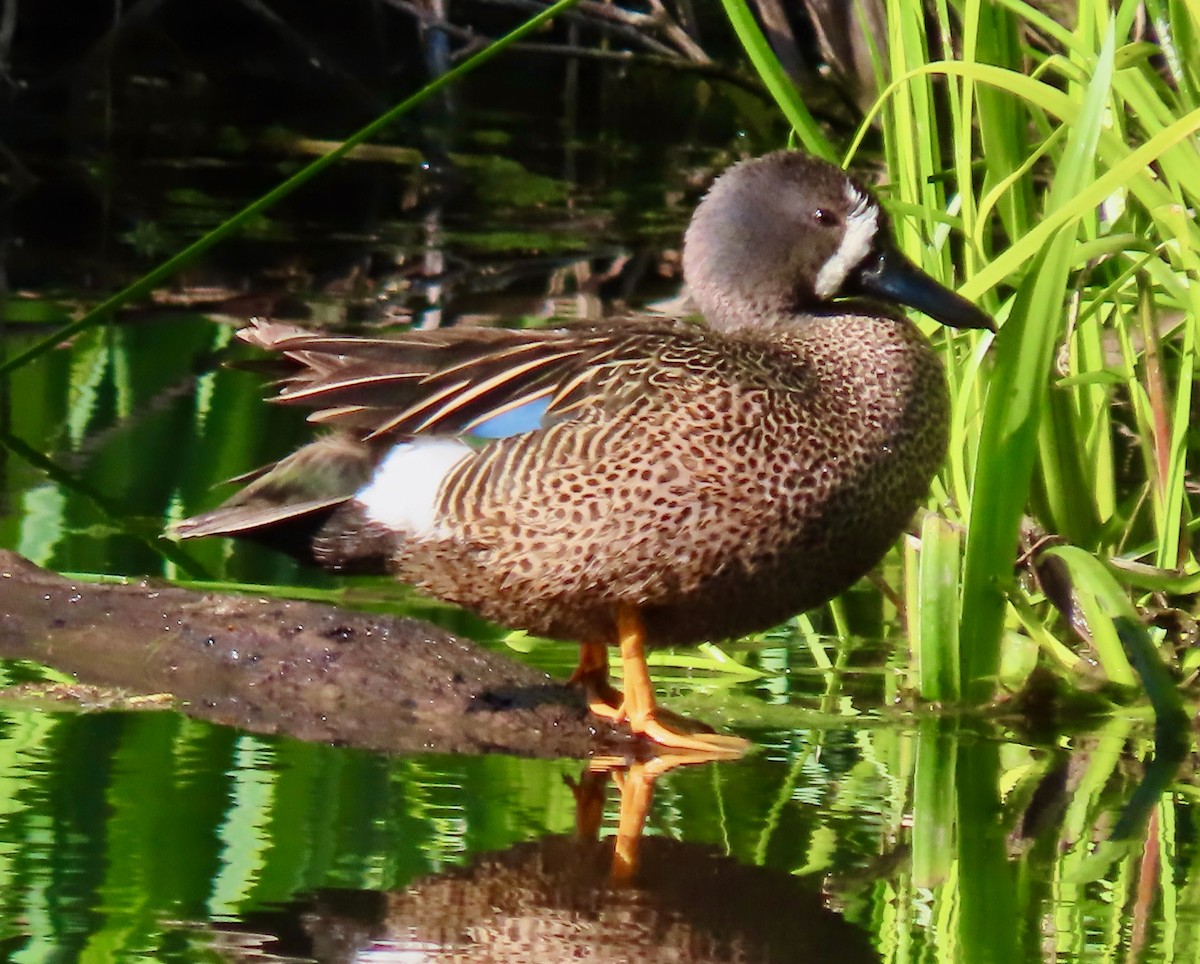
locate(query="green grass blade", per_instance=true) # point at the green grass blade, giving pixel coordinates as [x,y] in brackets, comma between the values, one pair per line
[1154,579]
[1013,409]
[1171,550]
[1100,600]
[1129,171]
[999,115]
[933,615]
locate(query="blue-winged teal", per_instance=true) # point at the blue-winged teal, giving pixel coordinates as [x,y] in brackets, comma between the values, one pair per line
[640,481]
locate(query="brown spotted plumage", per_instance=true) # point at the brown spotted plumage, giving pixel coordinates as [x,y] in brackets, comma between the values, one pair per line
[679,482]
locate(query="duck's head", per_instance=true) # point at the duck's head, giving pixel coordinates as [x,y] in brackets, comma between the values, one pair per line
[787,233]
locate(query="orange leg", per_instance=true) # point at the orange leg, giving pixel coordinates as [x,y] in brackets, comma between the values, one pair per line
[604,699]
[640,708]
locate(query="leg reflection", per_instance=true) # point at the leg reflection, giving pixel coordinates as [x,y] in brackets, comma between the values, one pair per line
[635,782]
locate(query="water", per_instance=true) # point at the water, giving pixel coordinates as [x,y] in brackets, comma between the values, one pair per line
[861,827]
[129,835]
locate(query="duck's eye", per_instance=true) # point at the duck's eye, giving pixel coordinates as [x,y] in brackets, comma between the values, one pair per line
[823,217]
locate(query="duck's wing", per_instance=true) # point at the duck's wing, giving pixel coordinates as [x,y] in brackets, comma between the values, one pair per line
[484,382]
[487,382]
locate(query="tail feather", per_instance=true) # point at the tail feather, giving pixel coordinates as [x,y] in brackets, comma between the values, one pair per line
[243,520]
[288,505]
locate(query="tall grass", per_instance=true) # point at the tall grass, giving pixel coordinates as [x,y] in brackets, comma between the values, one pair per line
[1066,160]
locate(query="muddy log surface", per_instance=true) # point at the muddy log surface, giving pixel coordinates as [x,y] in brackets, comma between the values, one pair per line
[311,671]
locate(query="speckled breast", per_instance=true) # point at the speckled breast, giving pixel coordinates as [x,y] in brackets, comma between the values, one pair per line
[853,455]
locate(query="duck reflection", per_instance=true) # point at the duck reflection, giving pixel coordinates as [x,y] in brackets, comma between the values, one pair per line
[623,897]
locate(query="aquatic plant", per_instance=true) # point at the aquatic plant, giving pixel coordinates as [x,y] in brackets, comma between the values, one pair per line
[1051,172]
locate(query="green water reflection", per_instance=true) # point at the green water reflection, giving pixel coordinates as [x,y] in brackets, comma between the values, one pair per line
[116,830]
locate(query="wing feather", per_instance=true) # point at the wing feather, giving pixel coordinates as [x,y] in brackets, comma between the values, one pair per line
[448,381]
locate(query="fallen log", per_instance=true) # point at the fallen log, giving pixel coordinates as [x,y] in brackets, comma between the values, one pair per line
[312,671]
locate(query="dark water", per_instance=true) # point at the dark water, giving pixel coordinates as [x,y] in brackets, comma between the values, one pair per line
[856,830]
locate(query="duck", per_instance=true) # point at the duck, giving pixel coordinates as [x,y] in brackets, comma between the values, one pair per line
[642,481]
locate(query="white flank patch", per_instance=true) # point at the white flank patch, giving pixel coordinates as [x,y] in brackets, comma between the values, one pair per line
[861,224]
[403,492]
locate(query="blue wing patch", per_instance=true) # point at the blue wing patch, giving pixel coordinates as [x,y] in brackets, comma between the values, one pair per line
[517,421]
